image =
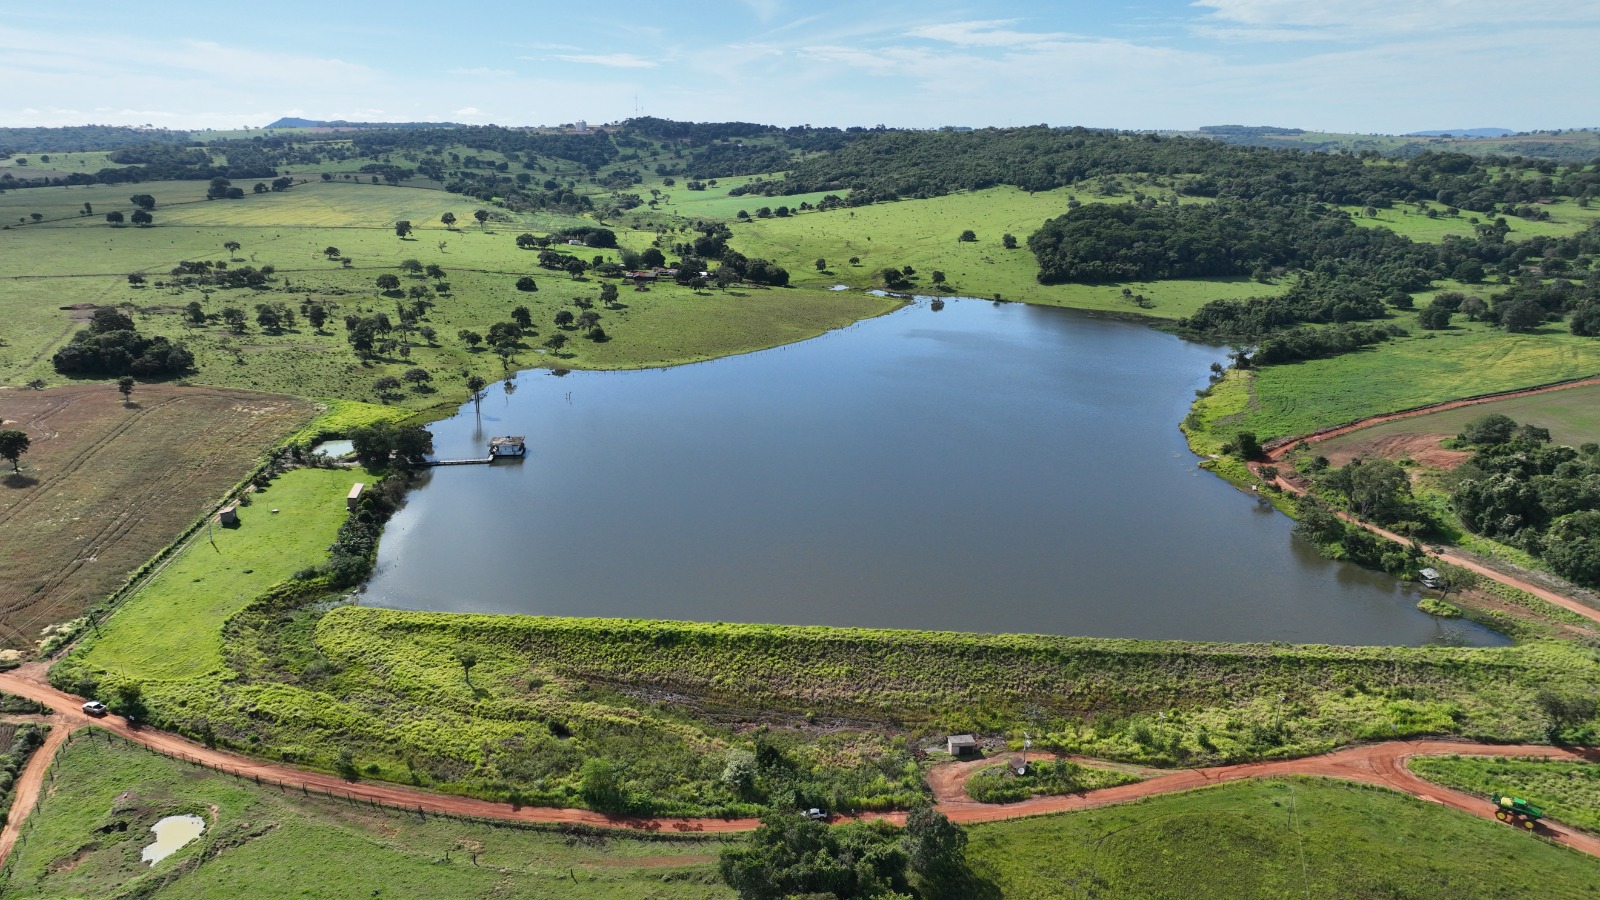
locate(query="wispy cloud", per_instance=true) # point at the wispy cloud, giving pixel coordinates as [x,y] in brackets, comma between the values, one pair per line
[1279,20]
[483,72]
[610,60]
[990,33]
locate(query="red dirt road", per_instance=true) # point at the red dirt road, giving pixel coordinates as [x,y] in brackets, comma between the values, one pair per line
[1378,764]
[1278,449]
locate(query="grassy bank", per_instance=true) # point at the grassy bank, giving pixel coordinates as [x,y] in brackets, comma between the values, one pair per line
[517,707]
[86,837]
[1277,838]
[287,526]
[1426,367]
[1568,791]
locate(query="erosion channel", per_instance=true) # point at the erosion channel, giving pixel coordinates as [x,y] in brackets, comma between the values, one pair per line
[984,467]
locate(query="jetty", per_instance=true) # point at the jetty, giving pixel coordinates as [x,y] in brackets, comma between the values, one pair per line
[508,447]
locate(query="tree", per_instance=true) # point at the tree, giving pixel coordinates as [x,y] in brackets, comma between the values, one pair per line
[475,386]
[449,220]
[527,241]
[331,252]
[142,218]
[135,279]
[37,217]
[564,318]
[526,283]
[1433,317]
[1491,429]
[968,236]
[125,387]
[194,313]
[588,319]
[385,385]
[234,318]
[114,217]
[574,267]
[434,271]
[269,317]
[599,785]
[1521,316]
[402,228]
[504,334]
[317,315]
[822,264]
[608,293]
[12,445]
[1246,445]
[418,377]
[218,188]
[482,215]
[1008,241]
[556,341]
[472,338]
[938,277]
[388,282]
[411,267]
[88,209]
[936,852]
[522,317]
[143,201]
[467,658]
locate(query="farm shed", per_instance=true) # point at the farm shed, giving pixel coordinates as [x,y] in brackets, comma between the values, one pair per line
[354,497]
[228,515]
[961,744]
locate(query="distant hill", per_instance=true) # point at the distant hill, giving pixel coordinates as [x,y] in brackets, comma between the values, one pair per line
[292,122]
[1462,132]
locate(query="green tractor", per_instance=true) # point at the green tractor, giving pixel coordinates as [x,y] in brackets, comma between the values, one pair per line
[1516,811]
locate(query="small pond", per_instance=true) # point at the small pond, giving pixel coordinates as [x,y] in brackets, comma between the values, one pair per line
[983,467]
[172,834]
[334,449]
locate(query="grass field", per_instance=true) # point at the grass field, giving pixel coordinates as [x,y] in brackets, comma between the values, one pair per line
[107,485]
[1573,417]
[1277,838]
[1569,792]
[214,578]
[922,234]
[1566,218]
[85,841]
[83,261]
[1426,367]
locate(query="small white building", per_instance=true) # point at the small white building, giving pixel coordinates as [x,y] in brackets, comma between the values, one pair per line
[353,498]
[1431,578]
[961,744]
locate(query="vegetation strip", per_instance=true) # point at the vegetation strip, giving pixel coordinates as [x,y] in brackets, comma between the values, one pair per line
[1379,764]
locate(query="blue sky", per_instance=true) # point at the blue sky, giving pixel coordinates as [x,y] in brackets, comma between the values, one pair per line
[1340,65]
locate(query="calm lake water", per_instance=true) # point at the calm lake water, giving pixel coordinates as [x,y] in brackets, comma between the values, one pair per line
[992,468]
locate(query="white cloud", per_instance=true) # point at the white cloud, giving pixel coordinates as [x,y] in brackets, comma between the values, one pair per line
[610,60]
[1348,19]
[991,33]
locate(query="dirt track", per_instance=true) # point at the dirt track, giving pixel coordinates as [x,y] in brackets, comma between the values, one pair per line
[1379,764]
[1279,449]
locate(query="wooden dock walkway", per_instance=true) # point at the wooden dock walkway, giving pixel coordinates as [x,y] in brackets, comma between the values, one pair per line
[473,461]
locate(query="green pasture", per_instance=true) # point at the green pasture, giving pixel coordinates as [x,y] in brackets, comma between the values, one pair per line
[1296,837]
[85,841]
[84,261]
[171,629]
[923,234]
[1568,791]
[1425,367]
[1572,415]
[1566,218]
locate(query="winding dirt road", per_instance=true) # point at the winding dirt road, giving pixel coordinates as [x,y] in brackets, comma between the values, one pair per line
[1378,764]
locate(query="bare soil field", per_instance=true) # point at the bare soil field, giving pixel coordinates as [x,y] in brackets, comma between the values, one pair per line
[105,485]
[1419,446]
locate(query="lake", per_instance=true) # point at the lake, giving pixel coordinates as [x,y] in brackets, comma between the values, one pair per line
[985,467]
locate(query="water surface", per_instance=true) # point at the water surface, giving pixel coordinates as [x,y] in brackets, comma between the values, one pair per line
[991,468]
[172,833]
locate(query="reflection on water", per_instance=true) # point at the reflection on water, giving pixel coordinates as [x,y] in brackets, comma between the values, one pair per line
[992,467]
